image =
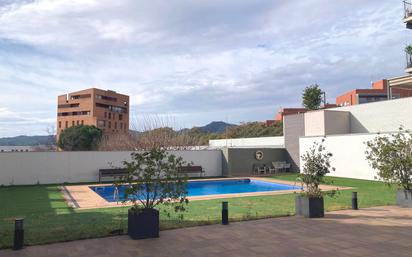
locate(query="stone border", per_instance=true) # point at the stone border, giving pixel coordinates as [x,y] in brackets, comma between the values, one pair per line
[82,197]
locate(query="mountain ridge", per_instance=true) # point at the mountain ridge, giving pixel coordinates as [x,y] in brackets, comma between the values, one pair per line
[212,127]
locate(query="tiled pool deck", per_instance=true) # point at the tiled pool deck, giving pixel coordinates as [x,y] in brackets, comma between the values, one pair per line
[379,231]
[81,196]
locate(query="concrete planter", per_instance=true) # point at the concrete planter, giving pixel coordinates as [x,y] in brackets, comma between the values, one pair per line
[143,223]
[309,207]
[404,198]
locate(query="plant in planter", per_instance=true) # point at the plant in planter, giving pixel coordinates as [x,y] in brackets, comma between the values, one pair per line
[153,179]
[391,156]
[408,51]
[309,203]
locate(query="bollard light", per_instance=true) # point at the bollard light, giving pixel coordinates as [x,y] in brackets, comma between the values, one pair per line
[225,213]
[18,234]
[354,200]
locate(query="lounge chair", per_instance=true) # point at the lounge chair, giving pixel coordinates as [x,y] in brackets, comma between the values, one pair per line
[272,169]
[286,166]
[277,166]
[259,170]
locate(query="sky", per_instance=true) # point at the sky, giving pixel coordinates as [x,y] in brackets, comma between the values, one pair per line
[191,61]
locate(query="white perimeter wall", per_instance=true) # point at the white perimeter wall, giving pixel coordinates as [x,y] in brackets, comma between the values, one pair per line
[274,142]
[384,116]
[348,154]
[315,123]
[25,168]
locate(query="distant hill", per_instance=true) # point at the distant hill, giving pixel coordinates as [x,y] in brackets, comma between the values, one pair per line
[27,141]
[215,127]
[213,130]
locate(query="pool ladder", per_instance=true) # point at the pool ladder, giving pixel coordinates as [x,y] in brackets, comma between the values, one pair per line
[116,194]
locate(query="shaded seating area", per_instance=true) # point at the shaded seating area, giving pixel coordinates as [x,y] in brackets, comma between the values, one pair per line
[112,173]
[192,169]
[280,167]
[275,167]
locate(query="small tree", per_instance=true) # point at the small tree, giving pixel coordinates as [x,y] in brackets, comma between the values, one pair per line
[154,179]
[312,97]
[80,138]
[391,156]
[408,49]
[316,166]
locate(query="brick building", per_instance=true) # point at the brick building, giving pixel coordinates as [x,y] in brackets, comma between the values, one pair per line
[105,109]
[290,111]
[378,92]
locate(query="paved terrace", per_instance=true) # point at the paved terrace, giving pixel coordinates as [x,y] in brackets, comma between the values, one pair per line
[378,231]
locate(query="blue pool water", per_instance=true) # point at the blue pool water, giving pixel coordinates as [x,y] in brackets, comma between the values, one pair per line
[211,187]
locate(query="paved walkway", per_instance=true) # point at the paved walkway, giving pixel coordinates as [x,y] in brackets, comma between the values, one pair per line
[379,231]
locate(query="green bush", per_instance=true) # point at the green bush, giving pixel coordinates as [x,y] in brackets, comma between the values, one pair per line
[392,157]
[80,138]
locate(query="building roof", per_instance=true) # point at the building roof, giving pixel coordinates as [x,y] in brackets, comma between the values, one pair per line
[402,81]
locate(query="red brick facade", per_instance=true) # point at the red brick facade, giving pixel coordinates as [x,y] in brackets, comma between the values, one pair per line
[378,92]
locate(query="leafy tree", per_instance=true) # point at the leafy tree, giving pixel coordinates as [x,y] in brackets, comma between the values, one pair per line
[316,165]
[408,49]
[312,97]
[80,138]
[392,157]
[153,179]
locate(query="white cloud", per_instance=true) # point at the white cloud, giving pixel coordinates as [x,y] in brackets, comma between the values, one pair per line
[198,60]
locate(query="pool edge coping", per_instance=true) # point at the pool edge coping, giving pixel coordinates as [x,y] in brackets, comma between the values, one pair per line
[82,197]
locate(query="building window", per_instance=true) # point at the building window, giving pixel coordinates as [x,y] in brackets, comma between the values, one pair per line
[110,124]
[105,115]
[114,116]
[120,116]
[68,105]
[101,123]
[73,113]
[115,125]
[82,122]
[60,124]
[72,123]
[67,124]
[371,98]
[110,115]
[107,98]
[112,108]
[121,125]
[78,123]
[74,97]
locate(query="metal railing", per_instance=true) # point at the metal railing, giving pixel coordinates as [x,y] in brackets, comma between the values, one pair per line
[407,6]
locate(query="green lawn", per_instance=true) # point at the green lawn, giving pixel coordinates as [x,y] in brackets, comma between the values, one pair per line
[48,219]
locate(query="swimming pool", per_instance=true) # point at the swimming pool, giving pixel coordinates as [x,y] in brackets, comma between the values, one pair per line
[209,187]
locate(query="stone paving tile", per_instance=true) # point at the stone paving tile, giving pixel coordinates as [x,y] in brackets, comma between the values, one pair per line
[378,232]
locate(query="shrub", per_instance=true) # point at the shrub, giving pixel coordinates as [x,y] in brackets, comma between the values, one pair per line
[391,156]
[408,49]
[153,179]
[80,138]
[316,166]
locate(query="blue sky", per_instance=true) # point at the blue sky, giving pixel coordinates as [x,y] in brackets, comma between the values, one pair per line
[191,61]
